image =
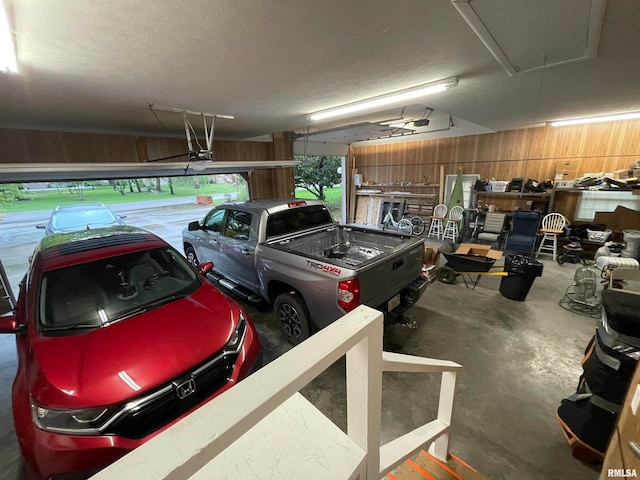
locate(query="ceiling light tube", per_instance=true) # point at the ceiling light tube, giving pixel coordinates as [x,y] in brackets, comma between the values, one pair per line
[8,62]
[603,118]
[387,99]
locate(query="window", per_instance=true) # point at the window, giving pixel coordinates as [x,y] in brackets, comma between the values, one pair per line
[604,201]
[298,219]
[113,288]
[238,225]
[214,220]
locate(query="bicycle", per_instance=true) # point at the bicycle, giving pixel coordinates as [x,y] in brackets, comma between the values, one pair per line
[411,226]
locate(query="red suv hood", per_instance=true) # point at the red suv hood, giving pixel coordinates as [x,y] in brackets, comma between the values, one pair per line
[112,364]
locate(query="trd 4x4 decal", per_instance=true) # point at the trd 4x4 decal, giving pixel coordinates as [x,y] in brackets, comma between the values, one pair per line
[325,268]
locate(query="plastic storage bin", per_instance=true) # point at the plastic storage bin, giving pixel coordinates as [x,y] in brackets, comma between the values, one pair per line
[499,187]
[523,271]
[598,235]
[632,239]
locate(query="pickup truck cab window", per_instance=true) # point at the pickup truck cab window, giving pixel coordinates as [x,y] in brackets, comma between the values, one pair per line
[238,225]
[213,221]
[297,219]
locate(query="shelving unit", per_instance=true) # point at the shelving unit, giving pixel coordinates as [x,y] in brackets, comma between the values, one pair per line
[509,200]
[370,204]
[396,186]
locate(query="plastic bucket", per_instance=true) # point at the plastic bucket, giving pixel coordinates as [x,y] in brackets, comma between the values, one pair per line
[632,239]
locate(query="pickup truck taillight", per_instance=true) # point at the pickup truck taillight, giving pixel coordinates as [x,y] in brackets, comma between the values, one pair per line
[349,294]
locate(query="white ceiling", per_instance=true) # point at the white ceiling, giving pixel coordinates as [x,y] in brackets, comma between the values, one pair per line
[95,66]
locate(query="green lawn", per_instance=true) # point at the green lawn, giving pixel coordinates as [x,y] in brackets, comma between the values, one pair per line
[333,199]
[50,198]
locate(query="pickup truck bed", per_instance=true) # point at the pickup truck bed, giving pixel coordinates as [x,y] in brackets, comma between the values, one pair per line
[343,246]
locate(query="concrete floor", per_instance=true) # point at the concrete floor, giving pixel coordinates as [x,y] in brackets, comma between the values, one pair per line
[520,359]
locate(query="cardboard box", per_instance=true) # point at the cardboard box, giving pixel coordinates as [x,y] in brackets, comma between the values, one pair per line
[481,250]
[620,174]
[430,255]
[564,184]
[565,175]
[567,165]
[622,218]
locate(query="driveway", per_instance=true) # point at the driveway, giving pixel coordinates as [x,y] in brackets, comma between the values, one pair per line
[166,218]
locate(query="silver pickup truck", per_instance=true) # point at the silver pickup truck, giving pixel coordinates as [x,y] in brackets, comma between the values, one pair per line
[292,254]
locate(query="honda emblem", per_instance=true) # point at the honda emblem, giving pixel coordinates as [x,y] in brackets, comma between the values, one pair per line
[184,389]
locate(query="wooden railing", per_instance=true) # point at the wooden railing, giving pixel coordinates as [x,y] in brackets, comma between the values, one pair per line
[190,445]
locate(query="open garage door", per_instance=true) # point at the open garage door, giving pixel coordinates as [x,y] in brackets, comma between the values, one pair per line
[45,172]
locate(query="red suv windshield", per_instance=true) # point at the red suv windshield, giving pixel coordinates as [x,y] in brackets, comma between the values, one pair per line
[97,293]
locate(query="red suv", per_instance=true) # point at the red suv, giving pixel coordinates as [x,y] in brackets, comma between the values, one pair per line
[117,338]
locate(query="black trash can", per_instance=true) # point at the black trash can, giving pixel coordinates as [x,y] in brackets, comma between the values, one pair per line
[522,270]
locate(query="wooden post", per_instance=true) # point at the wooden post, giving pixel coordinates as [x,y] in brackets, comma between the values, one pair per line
[364,396]
[442,185]
[440,448]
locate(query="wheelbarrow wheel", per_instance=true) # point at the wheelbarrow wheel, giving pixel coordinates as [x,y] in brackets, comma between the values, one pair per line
[447,275]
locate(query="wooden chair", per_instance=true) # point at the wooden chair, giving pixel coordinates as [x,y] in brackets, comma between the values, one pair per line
[435,228]
[552,225]
[451,228]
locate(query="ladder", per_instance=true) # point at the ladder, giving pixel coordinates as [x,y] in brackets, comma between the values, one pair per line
[7,300]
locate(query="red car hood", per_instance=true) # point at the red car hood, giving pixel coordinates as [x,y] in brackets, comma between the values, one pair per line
[112,364]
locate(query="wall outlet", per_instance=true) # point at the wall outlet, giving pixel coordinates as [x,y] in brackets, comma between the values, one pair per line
[529,202]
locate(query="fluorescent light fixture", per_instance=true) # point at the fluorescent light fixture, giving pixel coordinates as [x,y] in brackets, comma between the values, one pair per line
[603,118]
[387,99]
[8,62]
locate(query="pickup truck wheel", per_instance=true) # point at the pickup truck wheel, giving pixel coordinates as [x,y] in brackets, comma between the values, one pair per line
[192,258]
[294,317]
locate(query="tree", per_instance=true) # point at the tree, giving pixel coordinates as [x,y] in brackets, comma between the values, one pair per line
[10,193]
[120,185]
[77,187]
[317,173]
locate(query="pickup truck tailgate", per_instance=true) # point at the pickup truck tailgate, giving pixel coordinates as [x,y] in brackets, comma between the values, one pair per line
[382,280]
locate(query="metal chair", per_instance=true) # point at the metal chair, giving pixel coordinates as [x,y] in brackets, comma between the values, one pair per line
[493,229]
[524,232]
[451,228]
[552,225]
[435,228]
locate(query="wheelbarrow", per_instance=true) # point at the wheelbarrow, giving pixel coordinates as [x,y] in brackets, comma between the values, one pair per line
[468,266]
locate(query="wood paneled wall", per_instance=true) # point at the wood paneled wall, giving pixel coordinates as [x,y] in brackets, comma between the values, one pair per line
[529,153]
[34,146]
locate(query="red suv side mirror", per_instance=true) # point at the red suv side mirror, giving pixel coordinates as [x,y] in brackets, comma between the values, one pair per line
[9,324]
[205,267]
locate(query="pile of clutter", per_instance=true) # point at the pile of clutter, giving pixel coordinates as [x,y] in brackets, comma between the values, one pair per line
[589,415]
[625,179]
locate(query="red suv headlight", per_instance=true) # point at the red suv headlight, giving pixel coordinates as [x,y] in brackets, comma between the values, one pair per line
[77,422]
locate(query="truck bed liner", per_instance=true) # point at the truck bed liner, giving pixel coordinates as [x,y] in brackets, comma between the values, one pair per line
[343,246]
